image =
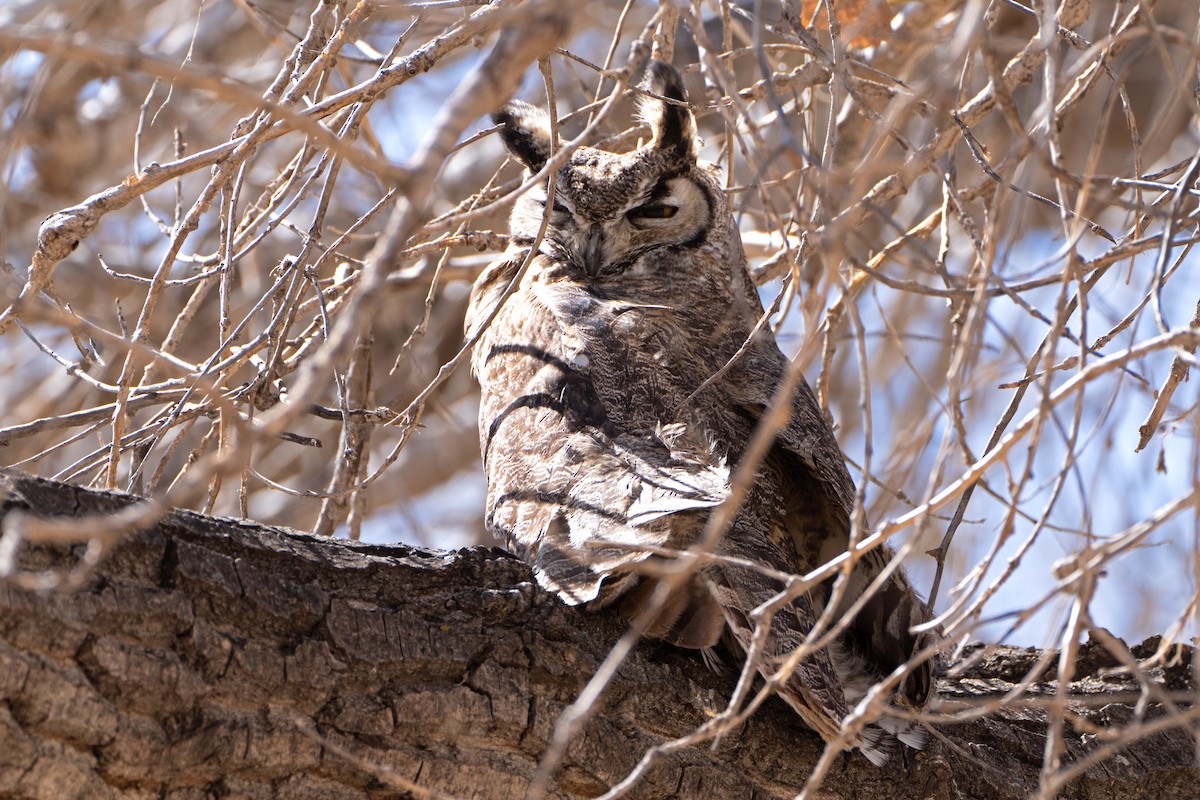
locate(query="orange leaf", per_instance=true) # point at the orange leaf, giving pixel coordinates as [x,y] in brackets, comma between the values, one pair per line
[864,23]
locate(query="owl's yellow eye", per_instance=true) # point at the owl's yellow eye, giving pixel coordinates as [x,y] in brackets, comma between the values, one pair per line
[654,211]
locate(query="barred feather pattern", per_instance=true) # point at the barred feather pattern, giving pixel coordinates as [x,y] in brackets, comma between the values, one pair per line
[613,413]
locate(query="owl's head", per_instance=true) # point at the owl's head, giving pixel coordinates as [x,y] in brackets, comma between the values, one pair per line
[612,209]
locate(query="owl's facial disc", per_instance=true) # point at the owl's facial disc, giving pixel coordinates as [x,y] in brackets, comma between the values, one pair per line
[608,238]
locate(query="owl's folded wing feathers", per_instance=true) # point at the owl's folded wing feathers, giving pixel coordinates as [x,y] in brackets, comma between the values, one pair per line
[820,523]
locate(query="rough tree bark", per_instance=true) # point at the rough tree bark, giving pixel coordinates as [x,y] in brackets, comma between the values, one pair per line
[209,657]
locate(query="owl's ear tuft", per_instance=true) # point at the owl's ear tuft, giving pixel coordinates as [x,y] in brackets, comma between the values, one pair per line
[525,131]
[672,123]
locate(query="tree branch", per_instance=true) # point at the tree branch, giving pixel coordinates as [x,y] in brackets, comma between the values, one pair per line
[228,658]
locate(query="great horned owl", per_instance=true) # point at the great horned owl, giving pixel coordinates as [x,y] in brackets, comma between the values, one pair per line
[604,431]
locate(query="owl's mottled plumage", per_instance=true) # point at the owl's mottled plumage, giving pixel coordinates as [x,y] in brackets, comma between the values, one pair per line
[593,432]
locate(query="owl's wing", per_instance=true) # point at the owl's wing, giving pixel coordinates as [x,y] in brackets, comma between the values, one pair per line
[575,496]
[806,438]
[816,689]
[818,522]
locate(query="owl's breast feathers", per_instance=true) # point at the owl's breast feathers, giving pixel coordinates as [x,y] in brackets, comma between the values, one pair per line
[576,494]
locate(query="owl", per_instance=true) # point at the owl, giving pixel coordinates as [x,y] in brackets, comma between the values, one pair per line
[622,379]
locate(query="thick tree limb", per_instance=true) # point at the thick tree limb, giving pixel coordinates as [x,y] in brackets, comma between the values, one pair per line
[209,657]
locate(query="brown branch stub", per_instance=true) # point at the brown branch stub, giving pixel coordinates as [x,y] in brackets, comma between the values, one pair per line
[447,670]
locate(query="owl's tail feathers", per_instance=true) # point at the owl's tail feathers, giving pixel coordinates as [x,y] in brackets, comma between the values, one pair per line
[857,678]
[907,731]
[876,745]
[914,692]
[883,633]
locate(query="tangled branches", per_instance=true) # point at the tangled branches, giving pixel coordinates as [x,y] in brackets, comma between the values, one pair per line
[975,220]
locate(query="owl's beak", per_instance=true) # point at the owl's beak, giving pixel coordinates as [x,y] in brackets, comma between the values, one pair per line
[593,251]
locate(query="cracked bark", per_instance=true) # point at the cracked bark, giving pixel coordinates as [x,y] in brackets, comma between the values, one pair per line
[199,654]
